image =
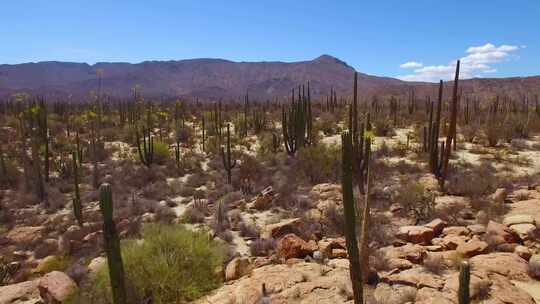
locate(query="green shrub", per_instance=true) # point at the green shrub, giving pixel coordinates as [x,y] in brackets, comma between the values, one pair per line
[52,263]
[161,152]
[320,163]
[171,265]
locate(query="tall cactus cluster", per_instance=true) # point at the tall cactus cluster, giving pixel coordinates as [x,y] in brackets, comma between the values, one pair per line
[112,246]
[297,122]
[439,153]
[146,147]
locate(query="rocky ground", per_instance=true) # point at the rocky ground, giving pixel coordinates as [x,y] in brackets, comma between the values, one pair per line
[296,252]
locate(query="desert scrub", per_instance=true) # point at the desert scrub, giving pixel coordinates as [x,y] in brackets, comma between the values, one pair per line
[320,163]
[161,152]
[170,265]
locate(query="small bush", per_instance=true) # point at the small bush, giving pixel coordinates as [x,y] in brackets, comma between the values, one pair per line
[320,163]
[52,263]
[474,181]
[172,264]
[262,247]
[193,215]
[247,230]
[415,201]
[161,152]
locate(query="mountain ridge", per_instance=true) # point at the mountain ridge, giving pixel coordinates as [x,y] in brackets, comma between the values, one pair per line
[211,78]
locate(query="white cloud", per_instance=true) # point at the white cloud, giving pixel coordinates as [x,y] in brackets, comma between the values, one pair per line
[411,64]
[478,61]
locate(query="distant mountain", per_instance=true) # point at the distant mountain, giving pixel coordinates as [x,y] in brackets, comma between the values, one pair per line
[214,78]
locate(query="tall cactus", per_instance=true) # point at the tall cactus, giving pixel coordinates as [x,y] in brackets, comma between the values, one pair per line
[226,156]
[450,137]
[146,148]
[433,144]
[77,206]
[177,154]
[464,283]
[3,169]
[112,245]
[355,268]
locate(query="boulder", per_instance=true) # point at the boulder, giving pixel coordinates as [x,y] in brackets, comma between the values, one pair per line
[25,236]
[264,200]
[518,219]
[386,293]
[499,196]
[411,252]
[534,266]
[503,263]
[524,252]
[437,225]
[499,234]
[415,234]
[96,264]
[237,268]
[56,287]
[20,291]
[477,229]
[338,253]
[291,246]
[415,277]
[523,230]
[275,231]
[327,245]
[472,248]
[455,230]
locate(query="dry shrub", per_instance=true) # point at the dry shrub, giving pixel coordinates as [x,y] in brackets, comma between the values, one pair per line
[434,263]
[335,219]
[193,216]
[474,181]
[262,247]
[320,163]
[248,231]
[415,201]
[158,190]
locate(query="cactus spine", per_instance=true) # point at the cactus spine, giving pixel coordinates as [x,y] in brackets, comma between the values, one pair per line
[77,207]
[226,156]
[464,283]
[146,152]
[112,245]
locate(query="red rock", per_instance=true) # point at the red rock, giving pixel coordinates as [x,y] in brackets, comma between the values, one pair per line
[455,230]
[415,234]
[472,248]
[499,234]
[437,225]
[291,246]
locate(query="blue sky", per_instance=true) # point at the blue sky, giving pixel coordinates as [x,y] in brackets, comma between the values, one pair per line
[375,37]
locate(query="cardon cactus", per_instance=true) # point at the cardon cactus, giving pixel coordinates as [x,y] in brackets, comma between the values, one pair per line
[112,245]
[228,164]
[77,206]
[464,282]
[350,218]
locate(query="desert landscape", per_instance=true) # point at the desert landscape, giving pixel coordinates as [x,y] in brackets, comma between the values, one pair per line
[214,181]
